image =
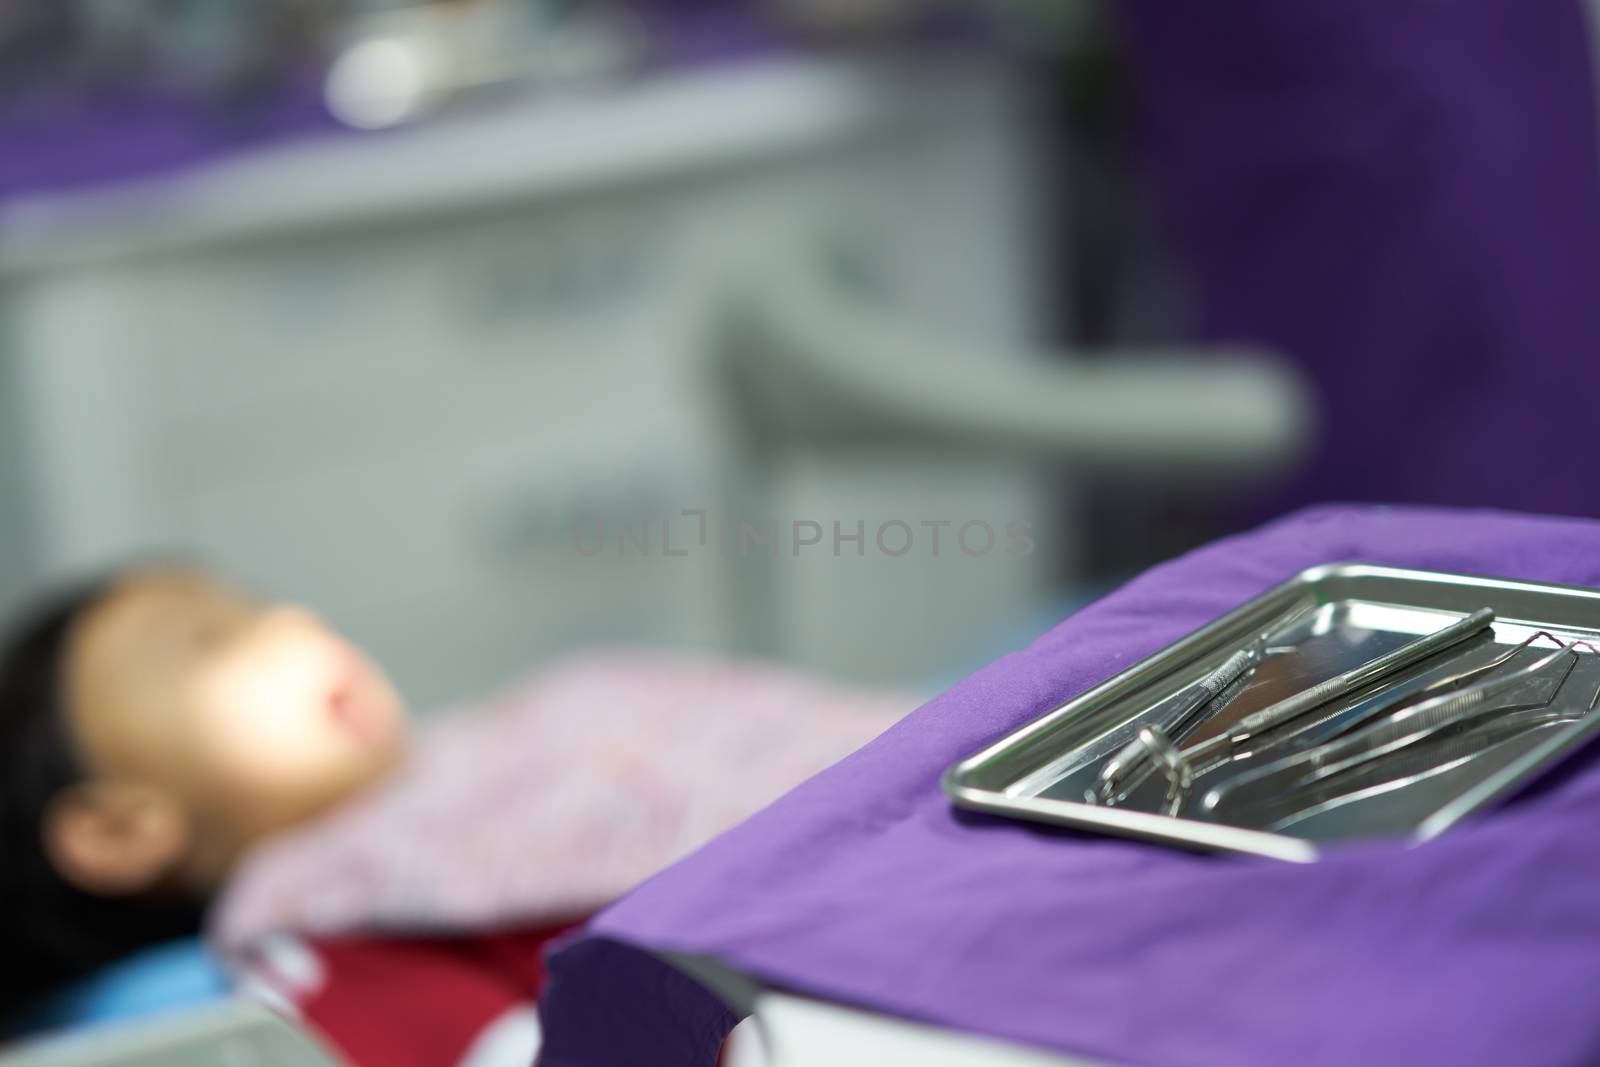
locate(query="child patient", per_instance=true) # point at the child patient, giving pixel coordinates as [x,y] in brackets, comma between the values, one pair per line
[153,728]
[164,737]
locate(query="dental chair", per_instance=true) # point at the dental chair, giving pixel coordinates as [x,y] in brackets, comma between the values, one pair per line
[232,1033]
[809,367]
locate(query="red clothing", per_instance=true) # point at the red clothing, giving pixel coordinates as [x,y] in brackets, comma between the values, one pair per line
[412,1002]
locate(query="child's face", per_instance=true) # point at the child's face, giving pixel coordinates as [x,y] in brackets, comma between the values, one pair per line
[249,717]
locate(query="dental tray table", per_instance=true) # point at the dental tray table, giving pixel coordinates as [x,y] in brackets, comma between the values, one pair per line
[1350,701]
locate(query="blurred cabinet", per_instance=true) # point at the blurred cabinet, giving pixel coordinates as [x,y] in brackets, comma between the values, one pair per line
[389,375]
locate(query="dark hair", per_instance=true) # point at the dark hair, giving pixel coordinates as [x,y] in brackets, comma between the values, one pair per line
[50,931]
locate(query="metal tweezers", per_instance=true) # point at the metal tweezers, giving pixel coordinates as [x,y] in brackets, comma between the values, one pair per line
[1413,741]
[1156,748]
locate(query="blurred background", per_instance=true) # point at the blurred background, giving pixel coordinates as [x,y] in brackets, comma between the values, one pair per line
[480,325]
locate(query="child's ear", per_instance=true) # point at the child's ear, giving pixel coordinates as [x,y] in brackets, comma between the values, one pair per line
[115,839]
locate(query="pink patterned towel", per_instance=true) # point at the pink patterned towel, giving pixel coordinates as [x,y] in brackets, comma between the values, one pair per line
[554,798]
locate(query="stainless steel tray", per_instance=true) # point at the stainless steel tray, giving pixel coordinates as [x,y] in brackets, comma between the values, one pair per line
[1333,618]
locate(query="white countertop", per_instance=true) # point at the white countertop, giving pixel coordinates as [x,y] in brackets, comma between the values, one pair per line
[547,146]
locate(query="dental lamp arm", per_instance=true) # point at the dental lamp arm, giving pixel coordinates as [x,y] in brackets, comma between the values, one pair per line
[809,365]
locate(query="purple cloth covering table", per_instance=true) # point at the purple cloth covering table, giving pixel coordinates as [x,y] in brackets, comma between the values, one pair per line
[864,885]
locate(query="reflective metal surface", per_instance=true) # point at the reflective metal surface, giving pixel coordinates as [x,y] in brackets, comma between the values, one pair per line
[1325,622]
